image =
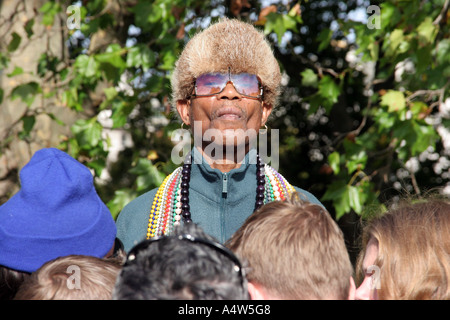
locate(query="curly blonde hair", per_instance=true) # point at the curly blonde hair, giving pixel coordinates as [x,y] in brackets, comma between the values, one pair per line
[228,44]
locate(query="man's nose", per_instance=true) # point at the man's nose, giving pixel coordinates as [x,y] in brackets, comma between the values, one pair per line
[229,92]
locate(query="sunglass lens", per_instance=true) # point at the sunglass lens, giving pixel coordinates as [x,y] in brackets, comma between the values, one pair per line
[246,84]
[210,83]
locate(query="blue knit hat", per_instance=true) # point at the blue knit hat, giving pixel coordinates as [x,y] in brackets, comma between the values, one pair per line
[57,212]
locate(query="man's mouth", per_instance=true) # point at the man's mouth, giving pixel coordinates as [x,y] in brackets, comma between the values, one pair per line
[229,113]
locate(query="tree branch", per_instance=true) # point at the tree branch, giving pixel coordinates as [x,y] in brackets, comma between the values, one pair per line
[442,14]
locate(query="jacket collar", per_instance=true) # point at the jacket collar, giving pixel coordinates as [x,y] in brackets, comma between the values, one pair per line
[240,182]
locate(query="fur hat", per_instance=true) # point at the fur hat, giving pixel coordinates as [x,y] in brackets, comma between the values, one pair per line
[226,44]
[57,212]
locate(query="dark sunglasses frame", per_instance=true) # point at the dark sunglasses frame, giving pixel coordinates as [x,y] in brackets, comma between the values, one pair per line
[188,237]
[260,96]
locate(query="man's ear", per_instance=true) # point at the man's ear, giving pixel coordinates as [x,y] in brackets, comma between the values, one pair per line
[184,108]
[266,111]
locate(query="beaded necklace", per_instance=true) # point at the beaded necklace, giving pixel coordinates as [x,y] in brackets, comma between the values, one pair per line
[171,202]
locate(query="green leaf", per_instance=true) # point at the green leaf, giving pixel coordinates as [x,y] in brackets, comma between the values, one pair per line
[329,90]
[374,49]
[146,14]
[356,160]
[309,78]
[15,72]
[87,132]
[70,99]
[148,175]
[14,43]
[443,51]
[426,31]
[394,100]
[290,23]
[49,10]
[1,95]
[47,63]
[334,161]
[110,93]
[140,56]
[395,39]
[324,38]
[86,66]
[389,15]
[29,27]
[42,65]
[113,56]
[98,165]
[26,92]
[426,137]
[168,59]
[418,107]
[120,113]
[4,61]
[355,200]
[121,198]
[276,23]
[28,124]
[63,74]
[385,120]
[57,120]
[338,193]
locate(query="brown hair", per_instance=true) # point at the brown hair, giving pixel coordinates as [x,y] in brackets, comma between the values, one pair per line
[227,44]
[413,250]
[51,281]
[295,250]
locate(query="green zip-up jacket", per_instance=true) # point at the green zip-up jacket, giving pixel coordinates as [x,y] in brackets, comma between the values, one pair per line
[219,202]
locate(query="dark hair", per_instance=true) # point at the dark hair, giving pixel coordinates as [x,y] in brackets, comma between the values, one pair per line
[10,281]
[188,265]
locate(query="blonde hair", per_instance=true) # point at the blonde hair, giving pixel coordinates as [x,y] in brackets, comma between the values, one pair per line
[295,250]
[226,45]
[50,282]
[413,251]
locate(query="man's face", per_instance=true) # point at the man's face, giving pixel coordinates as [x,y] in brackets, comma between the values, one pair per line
[227,114]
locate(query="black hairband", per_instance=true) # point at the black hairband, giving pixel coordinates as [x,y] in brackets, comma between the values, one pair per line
[188,237]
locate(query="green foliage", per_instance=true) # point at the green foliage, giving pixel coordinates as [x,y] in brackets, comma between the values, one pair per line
[26,92]
[396,128]
[129,79]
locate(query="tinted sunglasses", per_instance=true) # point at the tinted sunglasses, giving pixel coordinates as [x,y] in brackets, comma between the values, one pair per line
[188,237]
[246,84]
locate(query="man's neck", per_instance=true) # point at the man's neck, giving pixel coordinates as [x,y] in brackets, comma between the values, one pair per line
[229,160]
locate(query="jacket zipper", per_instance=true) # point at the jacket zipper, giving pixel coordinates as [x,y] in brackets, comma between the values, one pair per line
[223,206]
[224,183]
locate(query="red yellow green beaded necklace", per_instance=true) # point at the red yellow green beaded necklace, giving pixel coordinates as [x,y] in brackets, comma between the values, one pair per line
[171,202]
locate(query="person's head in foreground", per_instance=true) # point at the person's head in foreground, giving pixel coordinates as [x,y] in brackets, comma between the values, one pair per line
[406,253]
[187,265]
[294,250]
[57,212]
[74,277]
